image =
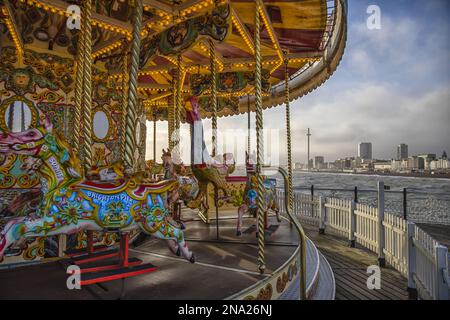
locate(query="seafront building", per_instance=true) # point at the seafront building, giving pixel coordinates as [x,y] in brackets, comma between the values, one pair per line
[365,150]
[402,151]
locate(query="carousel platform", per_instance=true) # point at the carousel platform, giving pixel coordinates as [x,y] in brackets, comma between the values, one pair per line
[224,268]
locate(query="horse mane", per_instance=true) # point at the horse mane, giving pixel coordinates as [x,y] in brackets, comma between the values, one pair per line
[73,161]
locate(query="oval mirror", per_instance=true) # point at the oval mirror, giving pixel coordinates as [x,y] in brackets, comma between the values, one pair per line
[100,125]
[18,116]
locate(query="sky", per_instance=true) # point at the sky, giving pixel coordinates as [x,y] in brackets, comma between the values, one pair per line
[392,87]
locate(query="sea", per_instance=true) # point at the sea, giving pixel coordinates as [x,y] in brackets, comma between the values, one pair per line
[427,198]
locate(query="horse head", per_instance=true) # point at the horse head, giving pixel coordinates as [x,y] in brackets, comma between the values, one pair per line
[166,157]
[40,143]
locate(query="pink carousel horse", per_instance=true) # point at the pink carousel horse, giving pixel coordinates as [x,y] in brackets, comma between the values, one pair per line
[72,204]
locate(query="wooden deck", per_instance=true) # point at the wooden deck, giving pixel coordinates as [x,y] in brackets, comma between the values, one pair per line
[350,265]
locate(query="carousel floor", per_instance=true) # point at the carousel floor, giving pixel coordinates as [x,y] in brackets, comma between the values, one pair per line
[222,267]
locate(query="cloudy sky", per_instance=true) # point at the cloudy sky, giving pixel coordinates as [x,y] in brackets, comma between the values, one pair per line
[393,86]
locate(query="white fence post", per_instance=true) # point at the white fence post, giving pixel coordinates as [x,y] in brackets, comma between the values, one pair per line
[322,213]
[441,277]
[381,258]
[352,225]
[411,261]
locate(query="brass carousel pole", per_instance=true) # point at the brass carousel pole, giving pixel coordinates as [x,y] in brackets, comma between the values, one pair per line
[288,133]
[125,80]
[79,88]
[248,125]
[290,201]
[131,116]
[212,56]
[87,86]
[259,141]
[154,137]
[171,114]
[178,106]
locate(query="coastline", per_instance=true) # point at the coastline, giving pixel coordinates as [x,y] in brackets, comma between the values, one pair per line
[387,174]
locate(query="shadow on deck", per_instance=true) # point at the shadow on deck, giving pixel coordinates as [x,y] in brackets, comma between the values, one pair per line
[350,270]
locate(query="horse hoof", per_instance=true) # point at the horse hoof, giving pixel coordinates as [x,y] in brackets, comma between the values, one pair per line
[192,259]
[178,253]
[238,233]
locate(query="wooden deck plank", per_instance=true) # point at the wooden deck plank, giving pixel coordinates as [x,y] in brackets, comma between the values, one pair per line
[395,285]
[350,266]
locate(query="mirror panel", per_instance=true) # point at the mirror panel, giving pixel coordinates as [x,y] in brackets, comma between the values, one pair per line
[17,114]
[101,125]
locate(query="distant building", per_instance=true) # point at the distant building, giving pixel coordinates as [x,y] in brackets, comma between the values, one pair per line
[319,162]
[382,166]
[365,150]
[427,158]
[440,164]
[416,163]
[402,151]
[298,166]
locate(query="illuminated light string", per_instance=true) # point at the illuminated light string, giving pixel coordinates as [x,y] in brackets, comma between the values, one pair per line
[63,12]
[12,32]
[107,49]
[242,33]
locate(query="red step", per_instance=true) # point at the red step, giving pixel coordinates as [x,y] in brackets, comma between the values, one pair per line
[108,265]
[109,275]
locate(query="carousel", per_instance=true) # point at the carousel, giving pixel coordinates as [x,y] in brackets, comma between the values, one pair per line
[79,81]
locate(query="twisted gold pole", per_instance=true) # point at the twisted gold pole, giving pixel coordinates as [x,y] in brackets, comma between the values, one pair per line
[259,141]
[288,134]
[125,80]
[131,116]
[87,86]
[212,61]
[154,136]
[79,89]
[248,126]
[171,115]
[177,109]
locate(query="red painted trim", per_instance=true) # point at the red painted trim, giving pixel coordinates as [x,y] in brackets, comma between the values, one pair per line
[117,276]
[236,179]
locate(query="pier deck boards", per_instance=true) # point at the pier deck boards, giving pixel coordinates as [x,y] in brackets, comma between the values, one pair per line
[350,265]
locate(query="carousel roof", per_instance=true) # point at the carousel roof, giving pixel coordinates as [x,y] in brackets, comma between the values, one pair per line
[311,34]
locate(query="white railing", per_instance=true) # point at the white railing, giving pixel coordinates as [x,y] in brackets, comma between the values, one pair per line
[338,216]
[367,229]
[400,243]
[395,243]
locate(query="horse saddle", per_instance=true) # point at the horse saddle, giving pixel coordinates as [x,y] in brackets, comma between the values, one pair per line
[99,185]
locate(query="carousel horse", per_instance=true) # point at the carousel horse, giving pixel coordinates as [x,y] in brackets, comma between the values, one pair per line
[154,167]
[249,204]
[72,204]
[205,168]
[189,190]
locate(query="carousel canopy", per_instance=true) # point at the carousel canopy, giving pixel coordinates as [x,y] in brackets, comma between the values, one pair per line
[176,37]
